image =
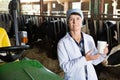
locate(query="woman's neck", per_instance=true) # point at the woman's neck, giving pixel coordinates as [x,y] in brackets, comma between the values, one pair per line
[76,36]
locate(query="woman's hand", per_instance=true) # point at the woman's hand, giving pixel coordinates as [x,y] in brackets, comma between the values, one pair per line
[89,56]
[105,62]
[106,50]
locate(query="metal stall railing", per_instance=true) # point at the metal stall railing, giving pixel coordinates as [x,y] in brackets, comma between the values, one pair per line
[99,24]
[60,24]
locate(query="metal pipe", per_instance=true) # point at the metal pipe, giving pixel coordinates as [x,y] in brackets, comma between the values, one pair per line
[13,11]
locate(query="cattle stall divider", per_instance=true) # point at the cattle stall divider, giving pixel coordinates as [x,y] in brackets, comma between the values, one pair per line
[60,24]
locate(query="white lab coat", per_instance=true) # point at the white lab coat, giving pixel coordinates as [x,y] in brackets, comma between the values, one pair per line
[71,60]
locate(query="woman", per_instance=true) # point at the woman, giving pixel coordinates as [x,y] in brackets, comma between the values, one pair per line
[77,52]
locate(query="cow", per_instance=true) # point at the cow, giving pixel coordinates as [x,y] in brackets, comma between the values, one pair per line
[47,35]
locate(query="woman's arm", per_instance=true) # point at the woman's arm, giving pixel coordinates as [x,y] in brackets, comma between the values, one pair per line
[65,63]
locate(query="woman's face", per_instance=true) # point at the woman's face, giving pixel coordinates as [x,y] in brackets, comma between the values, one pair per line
[74,22]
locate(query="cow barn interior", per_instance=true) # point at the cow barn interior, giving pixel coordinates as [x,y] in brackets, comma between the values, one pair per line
[45,23]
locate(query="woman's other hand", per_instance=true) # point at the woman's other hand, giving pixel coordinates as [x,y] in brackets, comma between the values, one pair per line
[106,50]
[89,56]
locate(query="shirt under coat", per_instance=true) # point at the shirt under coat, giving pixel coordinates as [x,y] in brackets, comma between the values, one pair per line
[71,60]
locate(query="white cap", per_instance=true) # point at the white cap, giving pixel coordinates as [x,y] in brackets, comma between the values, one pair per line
[78,11]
